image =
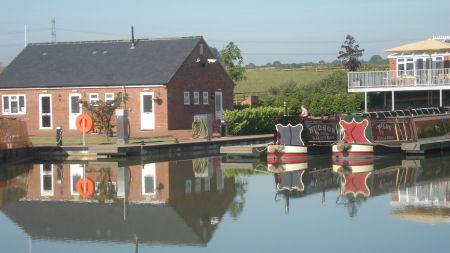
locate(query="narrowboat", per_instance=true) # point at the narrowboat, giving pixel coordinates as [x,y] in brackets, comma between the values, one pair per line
[15,144]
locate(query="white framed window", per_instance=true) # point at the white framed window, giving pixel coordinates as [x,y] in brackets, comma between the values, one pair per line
[93,98]
[205,98]
[46,179]
[405,66]
[187,100]
[13,104]
[196,98]
[109,97]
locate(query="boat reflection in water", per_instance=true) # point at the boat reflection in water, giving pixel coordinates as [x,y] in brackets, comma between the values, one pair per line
[288,180]
[165,203]
[296,180]
[359,180]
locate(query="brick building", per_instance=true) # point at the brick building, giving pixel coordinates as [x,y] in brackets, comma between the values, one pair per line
[167,81]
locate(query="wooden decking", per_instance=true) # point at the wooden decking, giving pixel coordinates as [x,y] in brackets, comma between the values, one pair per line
[251,149]
[426,144]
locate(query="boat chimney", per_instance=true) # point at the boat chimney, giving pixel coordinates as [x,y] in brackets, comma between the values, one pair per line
[132,37]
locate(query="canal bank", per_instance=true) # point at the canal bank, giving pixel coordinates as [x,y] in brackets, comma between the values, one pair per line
[161,149]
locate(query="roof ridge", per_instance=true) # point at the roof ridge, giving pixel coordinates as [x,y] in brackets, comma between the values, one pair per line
[111,41]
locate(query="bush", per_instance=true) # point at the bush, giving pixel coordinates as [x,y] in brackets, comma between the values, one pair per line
[336,104]
[240,107]
[252,121]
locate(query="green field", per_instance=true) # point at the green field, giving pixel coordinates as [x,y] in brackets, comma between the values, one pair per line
[260,80]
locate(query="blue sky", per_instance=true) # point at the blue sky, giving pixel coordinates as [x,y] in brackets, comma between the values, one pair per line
[265,31]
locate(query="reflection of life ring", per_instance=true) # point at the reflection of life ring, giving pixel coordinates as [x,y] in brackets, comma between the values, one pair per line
[85,192]
[88,123]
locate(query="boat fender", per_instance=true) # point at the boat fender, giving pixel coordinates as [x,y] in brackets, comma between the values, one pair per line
[275,148]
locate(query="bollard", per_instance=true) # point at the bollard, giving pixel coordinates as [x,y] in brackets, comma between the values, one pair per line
[59,132]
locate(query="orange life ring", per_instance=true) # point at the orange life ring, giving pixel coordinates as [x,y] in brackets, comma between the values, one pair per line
[88,123]
[85,192]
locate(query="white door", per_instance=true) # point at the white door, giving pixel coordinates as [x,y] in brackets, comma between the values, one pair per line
[149,179]
[147,111]
[74,109]
[46,179]
[45,111]
[76,172]
[218,104]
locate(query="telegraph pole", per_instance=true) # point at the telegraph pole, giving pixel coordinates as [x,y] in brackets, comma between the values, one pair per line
[25,36]
[53,30]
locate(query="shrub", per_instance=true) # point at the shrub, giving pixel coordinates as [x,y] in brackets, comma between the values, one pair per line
[252,121]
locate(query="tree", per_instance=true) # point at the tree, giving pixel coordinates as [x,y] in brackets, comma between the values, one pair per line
[378,60]
[251,65]
[350,53]
[102,112]
[1,67]
[233,62]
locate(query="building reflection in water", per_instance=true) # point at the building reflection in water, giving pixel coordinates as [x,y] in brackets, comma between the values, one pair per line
[427,201]
[176,202]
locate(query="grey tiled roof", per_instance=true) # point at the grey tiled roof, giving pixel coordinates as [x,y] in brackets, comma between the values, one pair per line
[97,63]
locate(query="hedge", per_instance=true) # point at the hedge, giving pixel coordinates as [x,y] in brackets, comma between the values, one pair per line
[258,120]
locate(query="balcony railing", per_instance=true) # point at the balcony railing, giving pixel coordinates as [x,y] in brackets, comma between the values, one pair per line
[399,78]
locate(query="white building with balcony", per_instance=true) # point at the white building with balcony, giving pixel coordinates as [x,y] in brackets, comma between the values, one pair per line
[418,76]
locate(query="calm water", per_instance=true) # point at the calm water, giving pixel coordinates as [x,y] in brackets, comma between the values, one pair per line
[221,204]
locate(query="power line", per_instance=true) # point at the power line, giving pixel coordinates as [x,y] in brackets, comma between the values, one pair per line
[93,32]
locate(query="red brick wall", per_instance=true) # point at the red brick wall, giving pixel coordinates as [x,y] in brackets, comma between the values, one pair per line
[392,64]
[194,76]
[60,109]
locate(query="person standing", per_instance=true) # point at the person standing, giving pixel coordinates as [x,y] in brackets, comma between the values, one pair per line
[304,113]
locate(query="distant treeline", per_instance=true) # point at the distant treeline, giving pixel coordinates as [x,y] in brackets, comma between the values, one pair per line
[374,60]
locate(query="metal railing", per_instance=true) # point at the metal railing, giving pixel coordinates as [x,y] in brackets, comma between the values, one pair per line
[399,78]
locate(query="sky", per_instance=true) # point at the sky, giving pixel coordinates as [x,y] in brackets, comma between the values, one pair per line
[290,31]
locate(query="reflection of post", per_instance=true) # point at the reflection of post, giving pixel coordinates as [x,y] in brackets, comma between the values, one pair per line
[84,134]
[286,205]
[123,187]
[59,174]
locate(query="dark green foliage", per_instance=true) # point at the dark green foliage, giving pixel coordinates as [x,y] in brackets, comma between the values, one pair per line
[252,121]
[336,104]
[240,107]
[329,93]
[378,60]
[233,62]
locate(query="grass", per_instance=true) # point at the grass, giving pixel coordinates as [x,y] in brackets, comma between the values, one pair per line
[261,80]
[40,141]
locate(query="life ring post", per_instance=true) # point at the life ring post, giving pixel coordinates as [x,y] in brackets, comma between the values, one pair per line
[84,124]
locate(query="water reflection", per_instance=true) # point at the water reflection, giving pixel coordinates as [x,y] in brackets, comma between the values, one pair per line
[179,202]
[185,202]
[297,180]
